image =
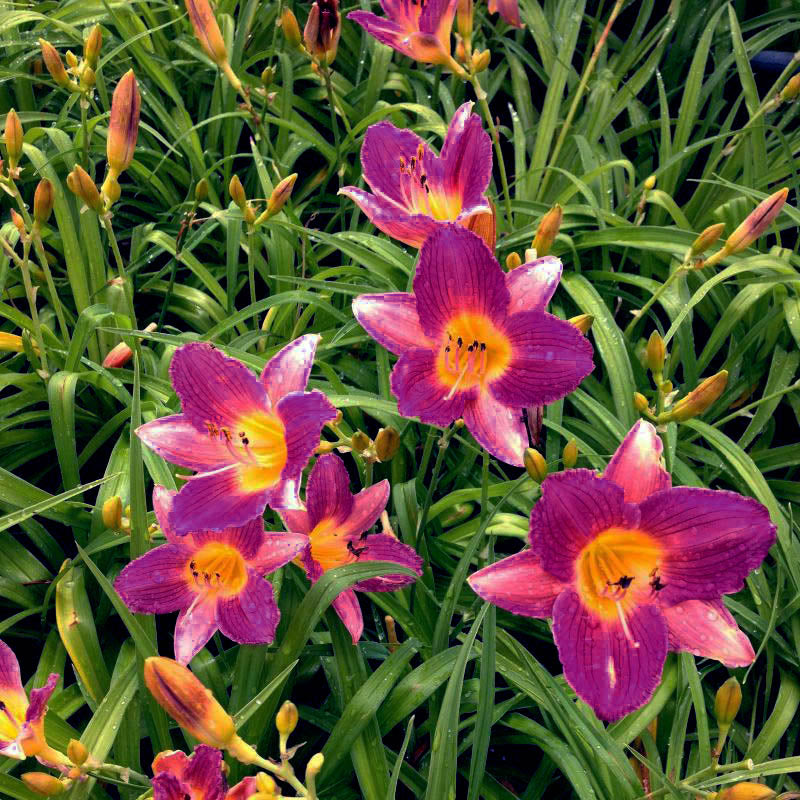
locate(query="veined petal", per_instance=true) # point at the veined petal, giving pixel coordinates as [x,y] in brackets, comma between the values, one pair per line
[708,629]
[39,699]
[613,672]
[167,787]
[366,509]
[636,465]
[437,18]
[295,520]
[276,550]
[285,494]
[12,694]
[549,359]
[509,11]
[245,538]
[174,762]
[532,285]
[288,370]
[349,611]
[328,491]
[204,773]
[500,429]
[385,547]
[196,624]
[384,30]
[242,790]
[519,585]
[391,319]
[162,505]
[176,440]
[711,540]
[250,617]
[155,583]
[575,506]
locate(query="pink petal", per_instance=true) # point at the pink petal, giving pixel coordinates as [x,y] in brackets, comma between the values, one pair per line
[295,520]
[167,787]
[612,673]
[247,538]
[498,428]
[289,369]
[162,505]
[392,320]
[509,11]
[204,773]
[366,509]
[276,550]
[708,629]
[11,691]
[437,18]
[349,611]
[156,583]
[39,699]
[385,547]
[194,627]
[636,466]
[172,761]
[251,617]
[328,491]
[176,440]
[532,285]
[242,790]
[384,30]
[519,585]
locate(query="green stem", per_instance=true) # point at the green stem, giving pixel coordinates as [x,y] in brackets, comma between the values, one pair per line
[326,74]
[84,104]
[437,468]
[251,268]
[656,295]
[123,276]
[244,753]
[26,280]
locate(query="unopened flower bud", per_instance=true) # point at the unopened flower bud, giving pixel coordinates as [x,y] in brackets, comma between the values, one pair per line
[236,191]
[77,752]
[123,127]
[706,239]
[201,190]
[513,260]
[359,441]
[54,64]
[267,76]
[480,61]
[81,185]
[700,399]
[91,48]
[640,402]
[322,30]
[280,194]
[461,51]
[484,223]
[315,764]
[583,322]
[386,443]
[746,791]
[291,30]
[72,59]
[570,454]
[206,30]
[287,718]
[43,783]
[792,88]
[656,353]
[756,222]
[727,702]
[111,190]
[88,77]
[266,783]
[11,343]
[547,231]
[650,183]
[112,513]
[13,136]
[19,223]
[43,201]
[465,12]
[535,464]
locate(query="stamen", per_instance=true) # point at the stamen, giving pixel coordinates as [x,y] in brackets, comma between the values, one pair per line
[624,622]
[458,380]
[206,474]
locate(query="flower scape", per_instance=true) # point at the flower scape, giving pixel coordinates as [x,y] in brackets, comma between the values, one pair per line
[401,402]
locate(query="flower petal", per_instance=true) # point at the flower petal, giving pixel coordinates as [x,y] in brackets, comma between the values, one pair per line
[12,694]
[295,520]
[196,624]
[532,285]
[155,583]
[636,465]
[349,611]
[328,491]
[176,440]
[457,274]
[575,506]
[613,674]
[162,505]
[204,773]
[708,629]
[247,538]
[498,428]
[288,370]
[549,358]
[437,18]
[712,540]
[39,699]
[251,617]
[509,11]
[167,787]
[391,319]
[242,790]
[174,762]
[385,547]
[366,509]
[276,550]
[519,585]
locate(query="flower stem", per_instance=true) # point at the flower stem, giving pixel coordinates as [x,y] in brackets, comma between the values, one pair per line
[26,280]
[84,104]
[656,295]
[246,754]
[251,267]
[126,286]
[437,468]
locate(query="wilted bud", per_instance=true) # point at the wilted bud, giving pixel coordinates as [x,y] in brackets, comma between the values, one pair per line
[315,764]
[112,513]
[201,190]
[727,702]
[291,30]
[792,88]
[206,30]
[465,12]
[570,454]
[706,239]
[656,353]
[81,185]
[43,201]
[746,791]
[322,31]
[13,136]
[513,260]
[650,183]
[267,76]
[484,223]
[359,441]
[236,191]
[535,464]
[54,64]
[547,231]
[77,752]
[386,443]
[640,402]
[123,127]
[44,784]
[757,222]
[280,194]
[19,224]
[287,718]
[188,702]
[480,61]
[700,399]
[583,322]
[91,48]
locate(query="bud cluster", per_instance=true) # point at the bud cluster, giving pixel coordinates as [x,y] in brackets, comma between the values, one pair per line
[277,200]
[83,71]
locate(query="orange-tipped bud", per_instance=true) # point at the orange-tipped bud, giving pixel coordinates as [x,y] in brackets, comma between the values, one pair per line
[513,260]
[547,231]
[81,185]
[322,31]
[640,402]
[700,399]
[43,784]
[706,239]
[280,194]
[121,354]
[570,454]
[757,222]
[792,88]
[13,136]
[112,513]
[535,464]
[746,791]
[656,353]
[583,322]
[386,443]
[291,30]
[236,191]
[206,30]
[727,702]
[188,702]
[19,224]
[123,128]
[465,13]
[480,61]
[54,64]
[484,223]
[359,441]
[77,752]
[201,190]
[43,199]
[92,45]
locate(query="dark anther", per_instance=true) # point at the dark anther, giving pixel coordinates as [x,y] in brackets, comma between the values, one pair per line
[423,178]
[475,344]
[624,582]
[460,342]
[470,348]
[195,574]
[207,577]
[245,441]
[218,575]
[483,346]
[356,551]
[447,349]
[192,565]
[242,434]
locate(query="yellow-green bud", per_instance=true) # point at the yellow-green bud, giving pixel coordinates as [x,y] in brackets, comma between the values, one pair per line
[237,194]
[265,783]
[359,441]
[386,443]
[746,791]
[315,764]
[792,88]
[583,322]
[650,183]
[700,399]
[43,201]
[201,190]
[480,61]
[44,784]
[656,353]
[547,231]
[727,702]
[112,513]
[535,464]
[13,136]
[707,238]
[267,76]
[513,260]
[570,454]
[291,30]
[287,718]
[77,752]
[71,59]
[640,402]
[91,48]
[88,77]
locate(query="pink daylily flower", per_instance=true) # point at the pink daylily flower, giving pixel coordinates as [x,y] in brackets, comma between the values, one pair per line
[475,342]
[199,776]
[336,523]
[247,439]
[214,578]
[629,567]
[414,191]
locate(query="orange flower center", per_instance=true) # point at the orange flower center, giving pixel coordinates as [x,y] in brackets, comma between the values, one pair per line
[423,198]
[328,546]
[218,567]
[473,351]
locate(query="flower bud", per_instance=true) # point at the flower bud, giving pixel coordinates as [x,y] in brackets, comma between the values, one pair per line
[111,190]
[386,443]
[71,59]
[650,183]
[236,191]
[322,31]
[11,343]
[756,222]
[465,12]
[746,791]
[92,45]
[792,88]
[656,353]
[291,30]
[535,464]
[570,454]
[43,201]
[359,441]
[513,260]
[266,783]
[727,702]
[583,322]
[121,354]
[88,77]
[484,223]
[123,127]
[81,185]
[700,399]
[706,239]
[280,194]
[77,752]
[54,64]
[206,30]
[640,402]
[287,718]
[315,764]
[19,224]
[201,190]
[547,231]
[267,76]
[44,784]
[112,513]
[480,61]
[13,136]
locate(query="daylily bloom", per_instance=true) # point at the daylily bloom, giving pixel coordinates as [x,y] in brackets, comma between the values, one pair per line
[336,523]
[629,568]
[415,191]
[199,776]
[475,342]
[22,720]
[247,439]
[214,578]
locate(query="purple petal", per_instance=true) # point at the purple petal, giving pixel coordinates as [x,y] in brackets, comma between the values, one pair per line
[384,30]
[285,494]
[251,617]
[437,18]
[457,274]
[176,440]
[289,369]
[532,285]
[247,538]
[519,585]
[39,699]
[385,547]
[391,319]
[196,624]
[712,540]
[349,611]
[575,506]
[276,550]
[295,520]
[162,505]
[498,428]
[213,388]
[167,787]
[708,630]
[612,673]
[156,582]
[366,509]
[204,773]
[328,491]
[549,358]
[12,694]
[636,465]
[509,11]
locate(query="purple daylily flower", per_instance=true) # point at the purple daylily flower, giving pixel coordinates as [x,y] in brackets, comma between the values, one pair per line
[214,578]
[414,191]
[629,568]
[475,342]
[199,776]
[247,439]
[336,523]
